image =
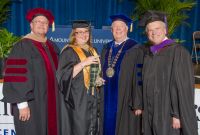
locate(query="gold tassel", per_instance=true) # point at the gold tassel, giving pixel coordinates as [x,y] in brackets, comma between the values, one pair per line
[53,26]
[131,27]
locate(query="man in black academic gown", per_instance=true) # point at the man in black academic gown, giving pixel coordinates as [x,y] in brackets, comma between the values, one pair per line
[168,82]
[122,62]
[30,83]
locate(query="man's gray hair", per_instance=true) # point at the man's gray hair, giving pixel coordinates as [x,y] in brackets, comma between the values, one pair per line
[163,24]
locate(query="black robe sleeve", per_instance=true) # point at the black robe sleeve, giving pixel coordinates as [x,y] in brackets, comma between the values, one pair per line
[18,80]
[101,92]
[182,91]
[137,100]
[67,60]
[132,64]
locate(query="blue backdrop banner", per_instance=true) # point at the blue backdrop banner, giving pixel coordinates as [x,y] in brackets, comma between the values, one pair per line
[61,37]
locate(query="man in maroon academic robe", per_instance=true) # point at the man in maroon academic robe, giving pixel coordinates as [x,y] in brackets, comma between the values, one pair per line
[30,82]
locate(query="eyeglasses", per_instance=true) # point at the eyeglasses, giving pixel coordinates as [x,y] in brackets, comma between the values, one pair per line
[41,22]
[82,32]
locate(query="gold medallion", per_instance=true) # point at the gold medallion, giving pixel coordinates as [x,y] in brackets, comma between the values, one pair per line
[110,72]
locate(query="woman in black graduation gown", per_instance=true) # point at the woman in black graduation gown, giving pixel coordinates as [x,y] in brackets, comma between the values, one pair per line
[77,72]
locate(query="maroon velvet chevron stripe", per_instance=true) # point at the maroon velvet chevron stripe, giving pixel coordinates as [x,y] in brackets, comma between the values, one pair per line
[16,61]
[16,70]
[15,79]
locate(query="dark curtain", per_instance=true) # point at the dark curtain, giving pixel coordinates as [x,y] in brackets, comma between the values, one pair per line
[97,11]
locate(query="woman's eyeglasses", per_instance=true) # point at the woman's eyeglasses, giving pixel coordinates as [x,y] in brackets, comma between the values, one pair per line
[82,32]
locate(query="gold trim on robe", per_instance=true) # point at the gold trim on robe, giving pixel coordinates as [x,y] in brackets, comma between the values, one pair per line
[82,57]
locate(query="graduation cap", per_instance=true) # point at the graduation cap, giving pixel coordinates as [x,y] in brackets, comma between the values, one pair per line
[41,12]
[80,24]
[152,16]
[124,18]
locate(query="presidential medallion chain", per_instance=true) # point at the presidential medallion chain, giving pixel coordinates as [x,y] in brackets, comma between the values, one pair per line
[111,64]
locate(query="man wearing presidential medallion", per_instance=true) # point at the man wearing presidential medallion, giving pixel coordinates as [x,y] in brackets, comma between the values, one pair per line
[122,61]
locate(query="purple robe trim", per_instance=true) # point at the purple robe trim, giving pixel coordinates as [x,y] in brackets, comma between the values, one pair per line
[155,48]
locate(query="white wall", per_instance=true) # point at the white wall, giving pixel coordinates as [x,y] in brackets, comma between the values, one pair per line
[6,120]
[197,107]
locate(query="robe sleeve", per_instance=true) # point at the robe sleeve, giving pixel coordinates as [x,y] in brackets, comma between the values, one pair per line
[18,79]
[102,59]
[101,99]
[136,92]
[67,61]
[182,91]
